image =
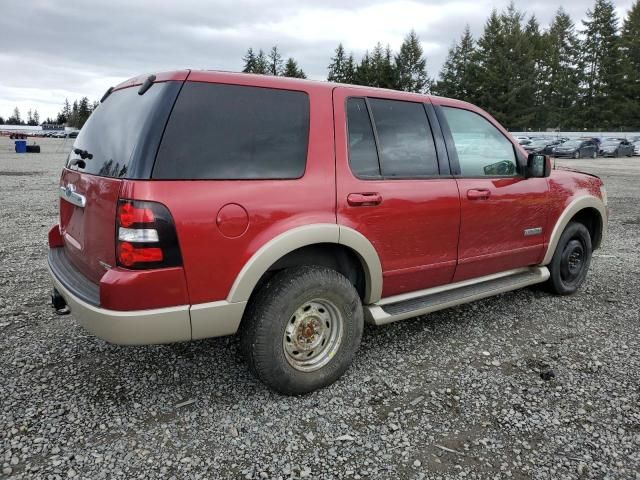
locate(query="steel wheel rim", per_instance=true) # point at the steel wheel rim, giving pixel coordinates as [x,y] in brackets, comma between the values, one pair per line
[313,335]
[572,261]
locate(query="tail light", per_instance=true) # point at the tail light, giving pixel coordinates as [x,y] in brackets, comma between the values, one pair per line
[146,236]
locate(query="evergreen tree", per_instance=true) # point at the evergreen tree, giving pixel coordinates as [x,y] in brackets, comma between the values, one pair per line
[274,61]
[363,73]
[411,66]
[84,110]
[341,68]
[350,70]
[15,118]
[377,69]
[601,95]
[262,64]
[73,118]
[531,78]
[506,71]
[456,77]
[560,76]
[291,69]
[36,117]
[630,53]
[2,121]
[249,61]
[29,117]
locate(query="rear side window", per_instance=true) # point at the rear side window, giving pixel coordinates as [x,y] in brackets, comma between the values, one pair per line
[404,147]
[406,144]
[363,156]
[235,132]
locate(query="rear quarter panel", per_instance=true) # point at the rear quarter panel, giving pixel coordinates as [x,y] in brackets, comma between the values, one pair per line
[212,260]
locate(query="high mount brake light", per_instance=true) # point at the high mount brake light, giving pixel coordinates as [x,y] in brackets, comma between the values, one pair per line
[146,236]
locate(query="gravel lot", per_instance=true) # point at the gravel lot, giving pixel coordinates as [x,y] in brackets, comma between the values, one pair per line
[457,394]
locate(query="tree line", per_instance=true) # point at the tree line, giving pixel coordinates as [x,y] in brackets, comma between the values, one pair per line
[526,76]
[72,115]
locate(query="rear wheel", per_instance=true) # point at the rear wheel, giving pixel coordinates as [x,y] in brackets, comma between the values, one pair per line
[577,154]
[571,260]
[594,155]
[302,329]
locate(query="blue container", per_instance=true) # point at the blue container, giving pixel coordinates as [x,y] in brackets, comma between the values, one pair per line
[21,146]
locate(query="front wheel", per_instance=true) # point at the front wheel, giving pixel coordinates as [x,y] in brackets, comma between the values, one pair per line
[594,155]
[577,154]
[571,260]
[302,329]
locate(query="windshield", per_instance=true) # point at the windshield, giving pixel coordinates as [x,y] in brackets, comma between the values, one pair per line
[571,143]
[123,132]
[610,143]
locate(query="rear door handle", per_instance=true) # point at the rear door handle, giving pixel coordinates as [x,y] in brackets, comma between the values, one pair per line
[478,194]
[364,199]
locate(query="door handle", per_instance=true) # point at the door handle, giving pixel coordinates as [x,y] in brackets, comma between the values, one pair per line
[364,199]
[478,194]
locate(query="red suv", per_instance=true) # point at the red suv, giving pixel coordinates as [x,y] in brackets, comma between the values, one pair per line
[196,204]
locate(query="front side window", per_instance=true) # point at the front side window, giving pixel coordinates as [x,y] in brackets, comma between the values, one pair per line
[482,149]
[235,132]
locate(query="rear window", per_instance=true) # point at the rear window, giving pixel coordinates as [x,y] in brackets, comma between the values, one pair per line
[235,132]
[123,133]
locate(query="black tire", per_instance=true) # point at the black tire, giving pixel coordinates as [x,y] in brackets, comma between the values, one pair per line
[570,263]
[272,310]
[577,154]
[595,155]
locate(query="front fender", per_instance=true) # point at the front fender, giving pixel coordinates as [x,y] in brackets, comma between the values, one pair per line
[578,204]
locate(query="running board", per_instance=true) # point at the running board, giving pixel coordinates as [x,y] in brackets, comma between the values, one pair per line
[400,307]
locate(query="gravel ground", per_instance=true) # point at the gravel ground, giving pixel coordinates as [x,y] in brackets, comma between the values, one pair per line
[524,385]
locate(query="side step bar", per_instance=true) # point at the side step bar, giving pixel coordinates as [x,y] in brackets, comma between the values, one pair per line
[400,307]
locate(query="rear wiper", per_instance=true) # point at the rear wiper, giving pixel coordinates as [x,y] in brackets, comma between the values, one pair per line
[83,153]
[80,163]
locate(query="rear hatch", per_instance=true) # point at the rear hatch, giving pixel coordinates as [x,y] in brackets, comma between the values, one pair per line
[119,141]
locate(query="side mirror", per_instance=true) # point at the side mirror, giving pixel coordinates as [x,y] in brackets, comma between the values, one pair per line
[538,166]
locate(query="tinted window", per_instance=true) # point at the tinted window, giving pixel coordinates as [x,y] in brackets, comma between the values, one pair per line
[235,132]
[481,147]
[405,141]
[119,131]
[363,156]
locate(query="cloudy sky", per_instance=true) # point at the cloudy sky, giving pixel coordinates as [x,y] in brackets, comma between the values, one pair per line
[50,50]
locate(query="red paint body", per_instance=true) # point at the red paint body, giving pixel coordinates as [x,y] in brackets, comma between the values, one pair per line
[427,232]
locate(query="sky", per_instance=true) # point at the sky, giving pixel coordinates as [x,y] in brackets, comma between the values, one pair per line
[52,50]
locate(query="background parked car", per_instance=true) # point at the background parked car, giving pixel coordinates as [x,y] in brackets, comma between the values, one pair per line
[616,147]
[576,149]
[636,148]
[544,146]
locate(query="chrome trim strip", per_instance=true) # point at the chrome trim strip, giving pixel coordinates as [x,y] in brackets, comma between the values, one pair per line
[530,232]
[69,194]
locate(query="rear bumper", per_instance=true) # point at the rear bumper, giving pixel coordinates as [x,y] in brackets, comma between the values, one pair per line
[139,327]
